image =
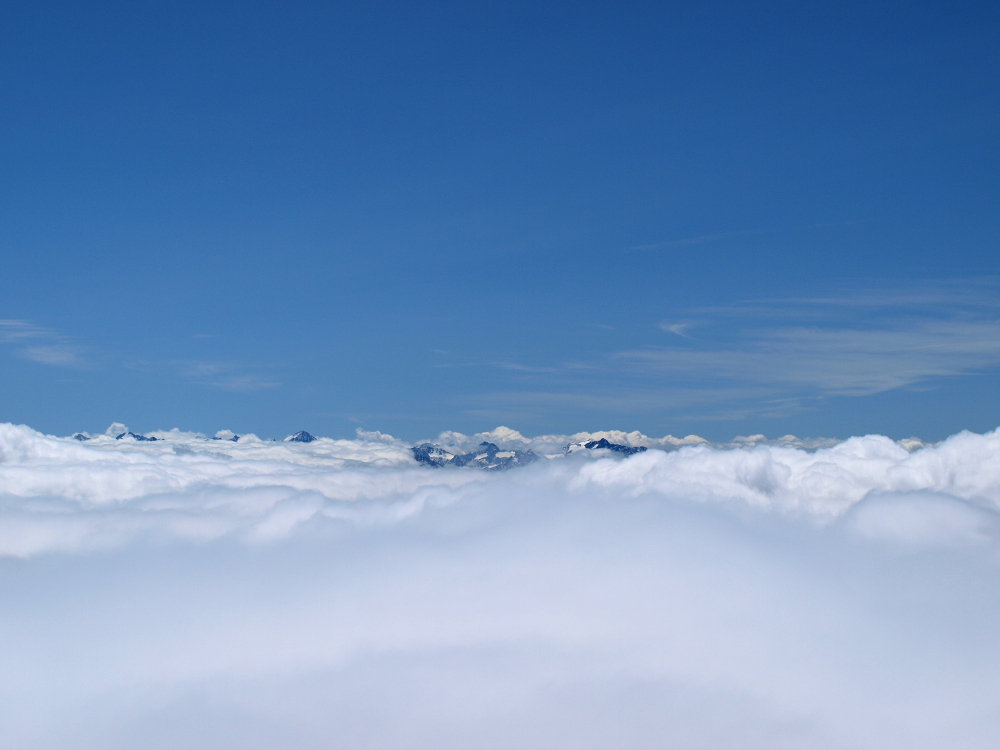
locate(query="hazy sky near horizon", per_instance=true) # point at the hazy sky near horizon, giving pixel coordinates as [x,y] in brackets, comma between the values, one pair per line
[711,218]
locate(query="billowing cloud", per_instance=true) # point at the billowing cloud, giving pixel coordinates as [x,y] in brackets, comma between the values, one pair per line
[769,594]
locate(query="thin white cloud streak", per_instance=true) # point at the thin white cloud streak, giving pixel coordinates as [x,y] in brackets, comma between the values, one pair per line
[50,347]
[21,330]
[978,294]
[626,397]
[773,358]
[838,361]
[864,342]
[679,328]
[205,594]
[229,376]
[708,238]
[688,241]
[41,345]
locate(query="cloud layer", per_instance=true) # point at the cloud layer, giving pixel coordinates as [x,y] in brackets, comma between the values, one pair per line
[209,593]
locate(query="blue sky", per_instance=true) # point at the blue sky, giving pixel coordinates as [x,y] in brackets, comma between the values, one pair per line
[711,218]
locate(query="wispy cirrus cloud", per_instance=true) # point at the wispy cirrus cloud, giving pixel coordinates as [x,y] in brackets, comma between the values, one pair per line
[698,240]
[43,345]
[47,346]
[229,376]
[775,357]
[681,329]
[834,361]
[703,239]
[977,297]
[638,398]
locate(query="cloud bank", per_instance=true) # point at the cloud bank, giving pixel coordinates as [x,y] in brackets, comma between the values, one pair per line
[214,594]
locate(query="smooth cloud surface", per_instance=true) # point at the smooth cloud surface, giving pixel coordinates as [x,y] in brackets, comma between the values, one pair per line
[209,593]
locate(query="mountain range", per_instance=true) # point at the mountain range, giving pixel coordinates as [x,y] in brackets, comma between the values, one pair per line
[488,456]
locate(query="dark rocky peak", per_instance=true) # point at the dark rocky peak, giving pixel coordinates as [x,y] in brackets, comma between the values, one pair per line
[81,437]
[300,437]
[136,437]
[605,444]
[432,455]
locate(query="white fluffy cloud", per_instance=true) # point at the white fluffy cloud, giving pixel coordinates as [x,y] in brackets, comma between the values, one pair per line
[209,593]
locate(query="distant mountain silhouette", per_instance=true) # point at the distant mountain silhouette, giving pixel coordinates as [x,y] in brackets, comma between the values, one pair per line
[604,444]
[488,457]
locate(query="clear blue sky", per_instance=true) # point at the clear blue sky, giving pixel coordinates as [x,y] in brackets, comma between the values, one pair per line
[718,218]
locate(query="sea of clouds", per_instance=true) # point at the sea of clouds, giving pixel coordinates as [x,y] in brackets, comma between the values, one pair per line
[210,593]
